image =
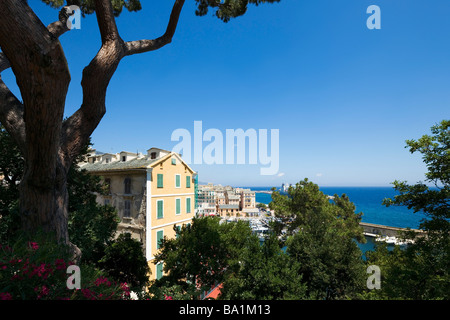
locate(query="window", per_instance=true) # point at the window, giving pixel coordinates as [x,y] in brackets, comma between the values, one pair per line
[188,205]
[159,270]
[124,158]
[188,181]
[160,209]
[107,202]
[159,182]
[159,237]
[174,161]
[127,183]
[177,206]
[178,231]
[153,155]
[127,211]
[177,181]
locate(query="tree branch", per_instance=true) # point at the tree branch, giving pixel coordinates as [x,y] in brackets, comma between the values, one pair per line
[96,77]
[4,62]
[141,46]
[57,29]
[106,21]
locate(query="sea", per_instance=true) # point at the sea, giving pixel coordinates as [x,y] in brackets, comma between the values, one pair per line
[367,200]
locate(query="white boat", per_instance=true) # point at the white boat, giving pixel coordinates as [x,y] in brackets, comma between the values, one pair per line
[393,240]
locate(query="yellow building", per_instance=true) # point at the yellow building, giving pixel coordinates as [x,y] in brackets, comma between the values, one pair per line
[152,193]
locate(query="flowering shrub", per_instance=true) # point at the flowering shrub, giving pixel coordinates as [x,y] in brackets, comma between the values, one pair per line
[29,272]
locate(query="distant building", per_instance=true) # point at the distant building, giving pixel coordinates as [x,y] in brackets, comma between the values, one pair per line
[152,193]
[227,210]
[225,201]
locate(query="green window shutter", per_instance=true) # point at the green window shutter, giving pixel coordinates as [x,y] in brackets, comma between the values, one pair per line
[160,180]
[177,181]
[188,181]
[159,271]
[178,231]
[188,205]
[159,237]
[174,161]
[178,206]
[160,209]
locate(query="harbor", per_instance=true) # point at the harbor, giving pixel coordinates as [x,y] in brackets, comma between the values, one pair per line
[260,226]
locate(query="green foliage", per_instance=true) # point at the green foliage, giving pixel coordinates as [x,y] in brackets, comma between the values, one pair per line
[36,269]
[11,170]
[435,203]
[261,205]
[227,9]
[306,205]
[88,6]
[330,264]
[265,272]
[202,254]
[322,240]
[91,226]
[421,271]
[224,10]
[124,261]
[164,289]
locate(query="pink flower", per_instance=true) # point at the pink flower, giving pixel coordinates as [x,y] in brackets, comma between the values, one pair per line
[88,294]
[44,291]
[166,297]
[33,245]
[5,296]
[102,280]
[60,264]
[125,288]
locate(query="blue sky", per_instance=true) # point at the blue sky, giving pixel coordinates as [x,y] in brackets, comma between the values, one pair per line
[344,98]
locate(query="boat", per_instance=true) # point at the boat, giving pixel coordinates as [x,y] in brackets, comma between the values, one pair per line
[393,240]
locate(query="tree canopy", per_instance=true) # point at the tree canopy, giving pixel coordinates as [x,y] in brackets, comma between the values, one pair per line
[321,238]
[202,253]
[421,271]
[222,9]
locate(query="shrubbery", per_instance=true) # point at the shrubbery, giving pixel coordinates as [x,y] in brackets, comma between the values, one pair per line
[38,271]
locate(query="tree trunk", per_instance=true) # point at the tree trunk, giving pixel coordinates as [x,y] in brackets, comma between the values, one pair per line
[49,144]
[43,204]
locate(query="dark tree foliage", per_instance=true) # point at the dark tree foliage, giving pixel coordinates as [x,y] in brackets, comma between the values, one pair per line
[265,272]
[322,234]
[202,254]
[124,260]
[222,9]
[226,9]
[88,6]
[421,270]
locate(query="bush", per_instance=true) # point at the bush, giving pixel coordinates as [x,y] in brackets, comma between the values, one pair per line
[38,271]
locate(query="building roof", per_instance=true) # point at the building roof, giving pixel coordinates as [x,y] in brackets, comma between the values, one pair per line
[214,293]
[138,163]
[158,149]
